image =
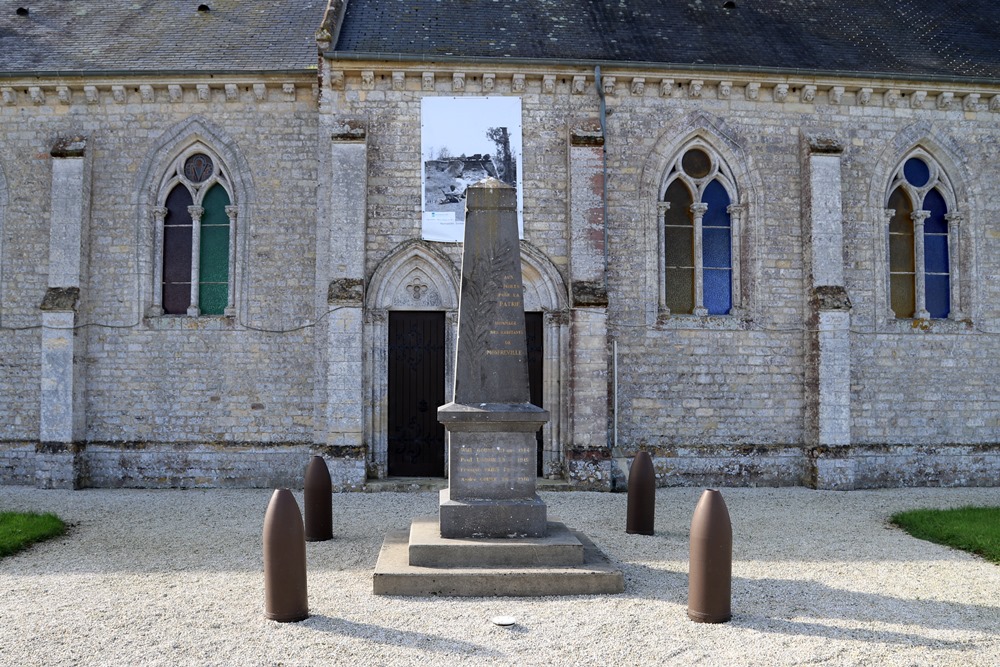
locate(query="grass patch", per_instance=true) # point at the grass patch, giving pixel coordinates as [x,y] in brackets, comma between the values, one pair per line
[19,530]
[972,529]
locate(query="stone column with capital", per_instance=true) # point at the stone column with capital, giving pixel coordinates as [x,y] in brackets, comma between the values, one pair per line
[920,279]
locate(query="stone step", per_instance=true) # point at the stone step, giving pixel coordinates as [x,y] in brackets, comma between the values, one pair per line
[395,576]
[406,484]
[429,549]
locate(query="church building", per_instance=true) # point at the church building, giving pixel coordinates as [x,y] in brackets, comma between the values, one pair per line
[759,240]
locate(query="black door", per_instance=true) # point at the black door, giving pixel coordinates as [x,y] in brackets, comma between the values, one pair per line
[536,355]
[416,389]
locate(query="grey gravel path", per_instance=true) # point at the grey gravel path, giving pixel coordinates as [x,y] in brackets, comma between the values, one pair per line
[175,578]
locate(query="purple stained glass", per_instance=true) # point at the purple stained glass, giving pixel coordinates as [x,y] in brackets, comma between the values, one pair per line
[177,227]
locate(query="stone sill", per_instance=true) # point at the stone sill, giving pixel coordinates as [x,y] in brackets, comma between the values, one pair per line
[191,323]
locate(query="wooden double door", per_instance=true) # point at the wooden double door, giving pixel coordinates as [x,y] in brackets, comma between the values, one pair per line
[416,382]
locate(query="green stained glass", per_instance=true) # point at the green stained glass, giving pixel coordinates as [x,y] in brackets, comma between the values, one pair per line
[213,293]
[213,298]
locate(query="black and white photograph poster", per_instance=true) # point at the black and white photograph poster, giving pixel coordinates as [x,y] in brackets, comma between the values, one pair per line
[464,140]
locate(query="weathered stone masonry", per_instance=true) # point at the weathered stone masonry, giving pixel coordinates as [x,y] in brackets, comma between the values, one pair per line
[809,380]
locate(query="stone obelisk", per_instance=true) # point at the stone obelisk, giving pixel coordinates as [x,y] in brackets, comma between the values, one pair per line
[491,424]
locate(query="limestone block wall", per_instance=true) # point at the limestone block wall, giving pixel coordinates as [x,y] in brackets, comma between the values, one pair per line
[173,381]
[930,382]
[734,398]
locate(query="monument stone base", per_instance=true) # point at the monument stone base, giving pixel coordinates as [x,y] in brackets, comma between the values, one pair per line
[514,517]
[420,562]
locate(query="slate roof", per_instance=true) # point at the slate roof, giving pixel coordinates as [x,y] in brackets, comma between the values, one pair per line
[158,35]
[912,38]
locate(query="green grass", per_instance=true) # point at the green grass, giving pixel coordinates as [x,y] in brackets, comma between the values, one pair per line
[972,529]
[19,530]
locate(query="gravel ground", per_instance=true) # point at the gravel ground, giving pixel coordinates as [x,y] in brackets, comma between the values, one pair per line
[176,578]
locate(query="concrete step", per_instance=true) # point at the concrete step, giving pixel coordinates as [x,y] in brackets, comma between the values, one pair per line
[429,549]
[394,575]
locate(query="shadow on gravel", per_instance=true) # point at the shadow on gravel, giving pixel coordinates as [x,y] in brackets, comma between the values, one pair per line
[393,637]
[769,605]
[817,629]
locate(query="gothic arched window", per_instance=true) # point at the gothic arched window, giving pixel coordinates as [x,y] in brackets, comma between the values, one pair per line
[195,232]
[920,242]
[696,206]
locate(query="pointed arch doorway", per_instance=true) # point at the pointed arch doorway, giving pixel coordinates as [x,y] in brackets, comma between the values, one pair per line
[411,307]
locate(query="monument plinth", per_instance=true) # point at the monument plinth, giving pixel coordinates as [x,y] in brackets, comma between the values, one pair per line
[491,535]
[491,424]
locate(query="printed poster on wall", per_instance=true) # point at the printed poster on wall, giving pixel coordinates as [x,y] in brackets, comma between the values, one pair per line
[462,141]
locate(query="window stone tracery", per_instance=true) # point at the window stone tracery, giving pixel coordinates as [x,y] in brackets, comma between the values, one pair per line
[700,214]
[195,230]
[924,231]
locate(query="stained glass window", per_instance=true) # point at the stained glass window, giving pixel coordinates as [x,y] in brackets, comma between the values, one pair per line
[214,257]
[937,283]
[717,260]
[901,266]
[919,256]
[177,250]
[698,235]
[197,237]
[678,237]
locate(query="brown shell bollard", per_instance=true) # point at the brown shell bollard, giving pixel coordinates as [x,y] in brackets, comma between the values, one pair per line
[285,598]
[711,568]
[641,495]
[316,502]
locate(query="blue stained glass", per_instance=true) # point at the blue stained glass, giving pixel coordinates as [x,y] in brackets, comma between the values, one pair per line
[718,202]
[916,172]
[718,291]
[715,250]
[938,296]
[935,204]
[935,253]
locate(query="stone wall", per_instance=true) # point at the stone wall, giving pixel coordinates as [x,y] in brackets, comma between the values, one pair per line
[166,380]
[753,397]
[743,384]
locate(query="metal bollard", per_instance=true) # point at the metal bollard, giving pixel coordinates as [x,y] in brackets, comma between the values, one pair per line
[710,573]
[316,502]
[285,598]
[641,495]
